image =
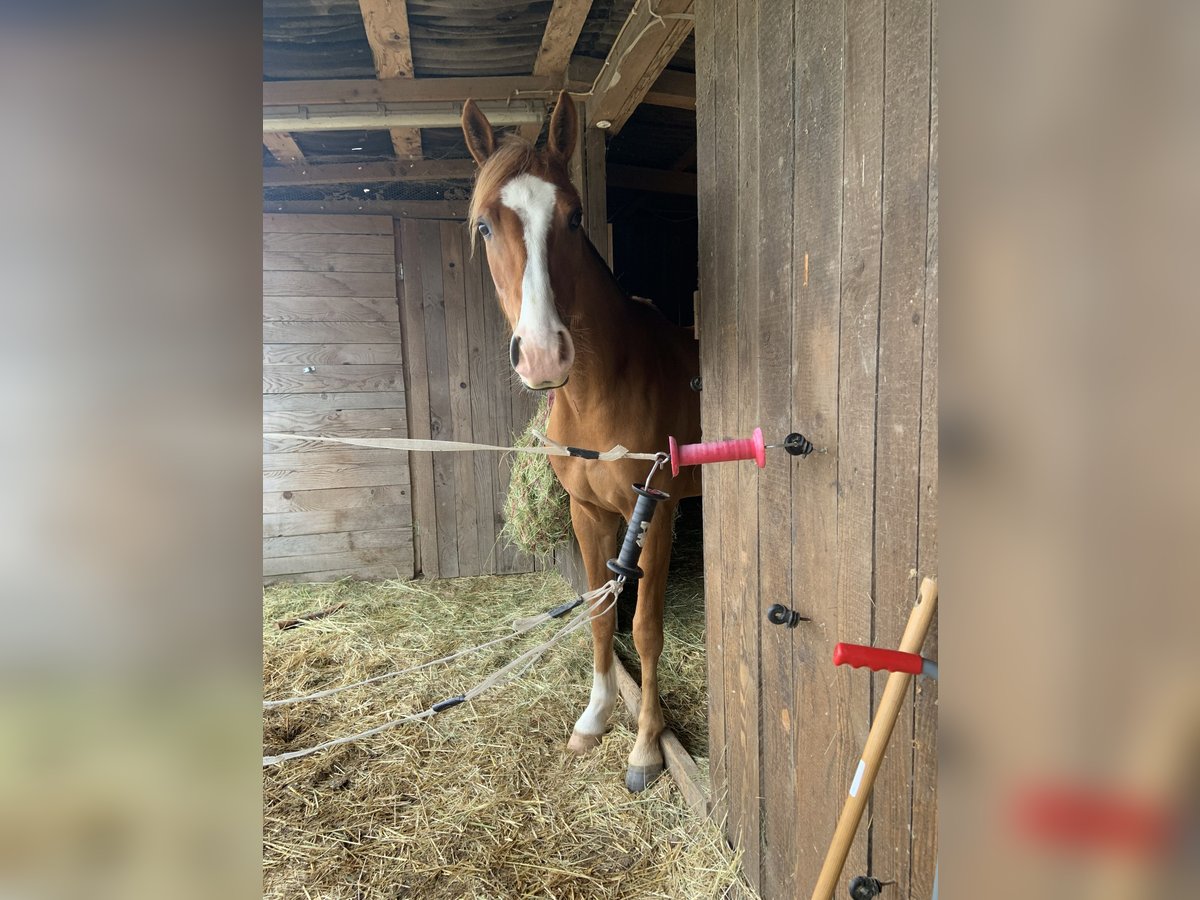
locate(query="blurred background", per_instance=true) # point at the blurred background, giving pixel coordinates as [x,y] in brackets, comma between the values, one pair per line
[130,204]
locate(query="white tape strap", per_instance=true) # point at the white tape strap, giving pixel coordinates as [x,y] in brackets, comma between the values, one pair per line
[858,777]
[423,445]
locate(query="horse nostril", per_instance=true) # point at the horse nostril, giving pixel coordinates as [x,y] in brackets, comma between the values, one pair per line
[563,346]
[514,351]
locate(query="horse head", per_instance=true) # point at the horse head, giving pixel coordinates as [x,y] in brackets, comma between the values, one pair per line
[530,216]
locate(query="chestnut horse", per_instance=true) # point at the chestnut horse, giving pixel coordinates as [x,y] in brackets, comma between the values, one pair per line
[621,375]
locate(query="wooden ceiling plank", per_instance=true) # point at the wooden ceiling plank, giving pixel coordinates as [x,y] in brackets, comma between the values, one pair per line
[562,32]
[283,147]
[408,90]
[645,46]
[558,43]
[386,23]
[367,173]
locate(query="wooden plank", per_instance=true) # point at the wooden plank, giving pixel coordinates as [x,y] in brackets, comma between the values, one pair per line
[595,196]
[741,522]
[329,309]
[500,380]
[483,427]
[336,542]
[662,181]
[417,394]
[357,573]
[283,147]
[678,761]
[458,367]
[337,520]
[329,284]
[924,837]
[332,354]
[429,249]
[715,162]
[397,559]
[295,501]
[330,400]
[858,367]
[331,333]
[274,261]
[389,422]
[674,89]
[773,48]
[637,58]
[322,379]
[373,245]
[317,224]
[816,273]
[366,173]
[399,209]
[332,475]
[898,412]
[558,40]
[302,445]
[386,23]
[321,92]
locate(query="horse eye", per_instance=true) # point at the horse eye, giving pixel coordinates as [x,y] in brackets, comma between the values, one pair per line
[484,230]
[576,219]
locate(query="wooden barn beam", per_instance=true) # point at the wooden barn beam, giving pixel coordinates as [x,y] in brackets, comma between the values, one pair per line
[558,42]
[662,181]
[354,117]
[386,23]
[647,42]
[399,209]
[329,92]
[282,146]
[674,89]
[367,173]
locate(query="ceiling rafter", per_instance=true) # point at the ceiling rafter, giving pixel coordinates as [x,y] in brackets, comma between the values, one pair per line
[386,22]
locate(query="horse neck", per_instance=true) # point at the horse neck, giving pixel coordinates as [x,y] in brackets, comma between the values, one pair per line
[603,321]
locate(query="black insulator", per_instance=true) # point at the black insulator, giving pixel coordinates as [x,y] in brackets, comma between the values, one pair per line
[797,444]
[447,703]
[635,535]
[778,614]
[864,887]
[697,384]
[565,608]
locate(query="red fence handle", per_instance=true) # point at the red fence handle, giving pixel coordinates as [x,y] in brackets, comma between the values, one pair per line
[877,659]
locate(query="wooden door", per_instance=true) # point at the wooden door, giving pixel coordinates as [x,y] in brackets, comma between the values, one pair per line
[460,387]
[817,127]
[332,364]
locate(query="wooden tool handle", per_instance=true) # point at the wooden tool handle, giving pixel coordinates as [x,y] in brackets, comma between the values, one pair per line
[872,756]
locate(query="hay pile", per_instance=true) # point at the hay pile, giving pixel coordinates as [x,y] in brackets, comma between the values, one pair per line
[481,801]
[537,511]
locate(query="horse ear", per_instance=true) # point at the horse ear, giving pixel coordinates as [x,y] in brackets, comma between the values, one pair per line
[564,127]
[477,130]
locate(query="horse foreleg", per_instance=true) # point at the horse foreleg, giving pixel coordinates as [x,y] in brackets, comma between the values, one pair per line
[646,759]
[596,530]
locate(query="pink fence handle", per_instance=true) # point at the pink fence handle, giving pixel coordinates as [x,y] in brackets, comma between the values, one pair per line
[718,451]
[876,659]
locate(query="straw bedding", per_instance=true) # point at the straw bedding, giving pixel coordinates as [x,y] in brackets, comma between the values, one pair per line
[481,801]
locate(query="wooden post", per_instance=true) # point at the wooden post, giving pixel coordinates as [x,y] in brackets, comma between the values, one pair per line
[894,694]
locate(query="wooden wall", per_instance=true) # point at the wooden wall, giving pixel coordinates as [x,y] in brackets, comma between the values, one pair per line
[461,387]
[817,127]
[332,364]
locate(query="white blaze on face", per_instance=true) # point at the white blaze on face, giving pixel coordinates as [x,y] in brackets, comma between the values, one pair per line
[538,326]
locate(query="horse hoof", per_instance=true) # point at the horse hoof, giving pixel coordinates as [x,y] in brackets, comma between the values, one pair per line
[580,744]
[638,778]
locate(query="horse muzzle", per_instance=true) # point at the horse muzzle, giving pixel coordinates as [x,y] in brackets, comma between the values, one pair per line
[542,361]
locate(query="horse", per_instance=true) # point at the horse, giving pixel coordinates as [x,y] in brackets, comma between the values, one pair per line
[620,373]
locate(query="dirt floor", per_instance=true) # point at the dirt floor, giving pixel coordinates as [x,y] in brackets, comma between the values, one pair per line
[482,800]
